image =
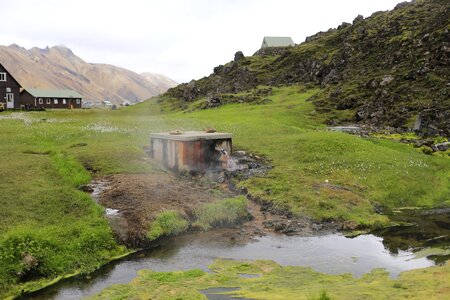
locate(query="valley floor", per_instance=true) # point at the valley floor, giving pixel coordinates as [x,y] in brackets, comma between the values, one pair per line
[50,228]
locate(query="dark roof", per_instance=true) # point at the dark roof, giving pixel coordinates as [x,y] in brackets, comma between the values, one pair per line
[10,75]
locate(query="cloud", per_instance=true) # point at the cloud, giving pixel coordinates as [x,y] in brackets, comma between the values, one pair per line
[182,39]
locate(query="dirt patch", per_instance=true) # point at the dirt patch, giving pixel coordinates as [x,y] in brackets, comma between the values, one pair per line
[136,199]
[132,201]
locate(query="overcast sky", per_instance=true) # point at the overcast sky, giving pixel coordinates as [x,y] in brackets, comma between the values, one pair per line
[180,39]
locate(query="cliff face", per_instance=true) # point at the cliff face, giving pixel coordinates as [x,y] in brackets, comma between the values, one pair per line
[59,67]
[387,70]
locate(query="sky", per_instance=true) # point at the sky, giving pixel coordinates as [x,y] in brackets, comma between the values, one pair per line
[182,39]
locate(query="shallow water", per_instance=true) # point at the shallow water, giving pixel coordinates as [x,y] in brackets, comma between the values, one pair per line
[329,253]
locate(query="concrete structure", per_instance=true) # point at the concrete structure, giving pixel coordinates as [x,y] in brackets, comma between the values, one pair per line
[277,41]
[192,151]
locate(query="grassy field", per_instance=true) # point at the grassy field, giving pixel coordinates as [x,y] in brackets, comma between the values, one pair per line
[48,227]
[276,282]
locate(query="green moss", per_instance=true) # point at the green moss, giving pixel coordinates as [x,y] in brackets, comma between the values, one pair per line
[167,223]
[278,282]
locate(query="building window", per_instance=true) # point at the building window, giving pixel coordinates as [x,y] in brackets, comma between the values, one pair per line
[41,101]
[55,101]
[8,90]
[64,101]
[78,101]
[10,97]
[49,101]
[2,76]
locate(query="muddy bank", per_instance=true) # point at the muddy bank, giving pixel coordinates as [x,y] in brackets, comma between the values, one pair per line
[132,201]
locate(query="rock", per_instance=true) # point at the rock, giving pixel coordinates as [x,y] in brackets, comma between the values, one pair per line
[213,101]
[426,142]
[218,69]
[358,19]
[29,261]
[332,77]
[336,92]
[86,188]
[239,153]
[349,225]
[361,30]
[401,5]
[427,150]
[386,80]
[238,56]
[191,91]
[344,25]
[441,147]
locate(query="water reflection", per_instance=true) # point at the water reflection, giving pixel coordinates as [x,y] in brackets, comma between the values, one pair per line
[392,249]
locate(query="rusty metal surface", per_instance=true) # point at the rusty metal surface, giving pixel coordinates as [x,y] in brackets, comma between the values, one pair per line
[191,156]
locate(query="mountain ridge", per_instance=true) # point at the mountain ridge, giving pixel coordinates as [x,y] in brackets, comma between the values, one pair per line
[59,67]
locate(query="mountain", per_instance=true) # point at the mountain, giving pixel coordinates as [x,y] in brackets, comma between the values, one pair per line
[160,82]
[59,67]
[387,71]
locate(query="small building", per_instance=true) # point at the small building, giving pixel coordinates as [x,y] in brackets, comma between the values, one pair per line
[195,152]
[277,41]
[9,89]
[50,98]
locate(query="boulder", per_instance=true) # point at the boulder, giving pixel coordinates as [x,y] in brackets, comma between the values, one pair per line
[358,19]
[441,147]
[238,56]
[386,80]
[213,101]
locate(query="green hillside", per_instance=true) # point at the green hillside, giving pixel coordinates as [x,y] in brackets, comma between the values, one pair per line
[388,70]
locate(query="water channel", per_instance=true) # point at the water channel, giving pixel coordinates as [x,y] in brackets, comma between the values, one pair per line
[392,249]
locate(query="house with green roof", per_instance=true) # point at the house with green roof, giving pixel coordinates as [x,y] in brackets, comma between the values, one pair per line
[50,98]
[277,41]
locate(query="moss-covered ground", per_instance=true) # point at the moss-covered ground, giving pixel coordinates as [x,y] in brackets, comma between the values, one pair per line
[276,282]
[46,156]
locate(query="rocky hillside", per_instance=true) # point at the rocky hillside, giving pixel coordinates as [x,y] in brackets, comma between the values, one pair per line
[59,67]
[389,70]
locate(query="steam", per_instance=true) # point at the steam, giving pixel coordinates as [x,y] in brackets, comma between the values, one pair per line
[231,162]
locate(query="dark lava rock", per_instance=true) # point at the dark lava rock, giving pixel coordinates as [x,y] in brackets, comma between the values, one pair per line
[86,188]
[238,56]
[358,19]
[213,101]
[441,147]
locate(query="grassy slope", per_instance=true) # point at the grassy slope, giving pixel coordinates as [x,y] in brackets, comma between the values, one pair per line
[278,282]
[44,213]
[360,172]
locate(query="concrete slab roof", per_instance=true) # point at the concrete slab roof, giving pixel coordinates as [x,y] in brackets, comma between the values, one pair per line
[191,136]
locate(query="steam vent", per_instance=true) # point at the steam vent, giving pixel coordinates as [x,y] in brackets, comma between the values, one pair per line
[191,151]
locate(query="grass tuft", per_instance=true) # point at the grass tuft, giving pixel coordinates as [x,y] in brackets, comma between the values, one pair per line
[221,213]
[167,223]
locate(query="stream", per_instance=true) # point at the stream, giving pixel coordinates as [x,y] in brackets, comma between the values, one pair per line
[392,249]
